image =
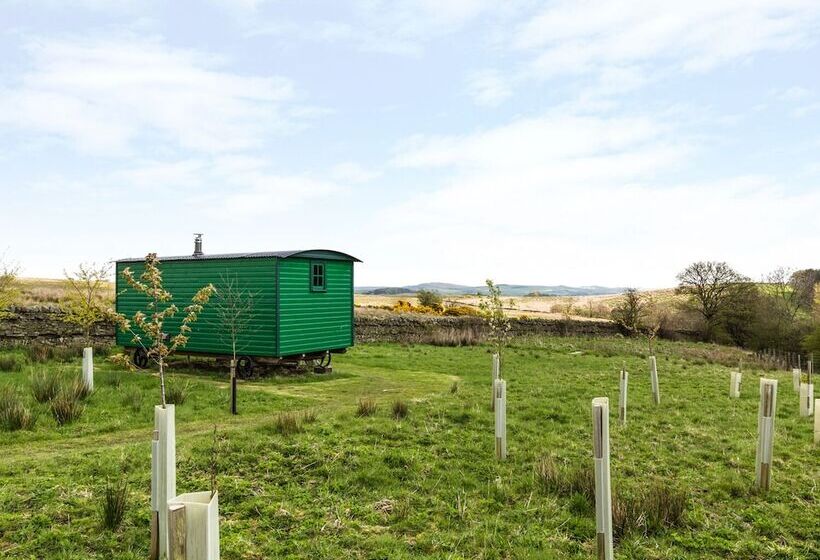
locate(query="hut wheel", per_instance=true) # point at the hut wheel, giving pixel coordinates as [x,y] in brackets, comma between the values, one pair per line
[140,358]
[244,366]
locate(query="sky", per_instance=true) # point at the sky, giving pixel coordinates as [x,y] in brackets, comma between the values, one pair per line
[568,142]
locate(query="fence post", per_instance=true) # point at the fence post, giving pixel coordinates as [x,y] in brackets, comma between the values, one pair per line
[765,432]
[653,374]
[500,419]
[603,494]
[623,386]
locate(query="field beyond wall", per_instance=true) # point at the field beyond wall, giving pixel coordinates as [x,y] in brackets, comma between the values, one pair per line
[426,486]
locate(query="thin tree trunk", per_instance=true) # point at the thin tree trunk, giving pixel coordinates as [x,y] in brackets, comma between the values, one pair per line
[162,379]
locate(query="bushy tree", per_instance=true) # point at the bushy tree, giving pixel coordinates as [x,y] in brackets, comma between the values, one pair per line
[147,329]
[83,304]
[631,311]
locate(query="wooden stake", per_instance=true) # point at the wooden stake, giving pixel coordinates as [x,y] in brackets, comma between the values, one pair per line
[765,432]
[501,419]
[603,495]
[88,368]
[496,374]
[233,386]
[624,386]
[653,374]
[165,476]
[177,549]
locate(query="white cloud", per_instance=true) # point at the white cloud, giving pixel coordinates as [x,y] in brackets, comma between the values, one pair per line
[352,172]
[584,200]
[488,88]
[570,36]
[103,95]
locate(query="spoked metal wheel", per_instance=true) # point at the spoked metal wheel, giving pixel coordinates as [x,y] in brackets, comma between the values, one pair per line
[244,367]
[140,358]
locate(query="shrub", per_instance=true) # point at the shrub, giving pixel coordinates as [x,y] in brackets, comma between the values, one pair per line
[462,311]
[114,502]
[66,407]
[454,337]
[14,415]
[133,399]
[406,307]
[399,409]
[44,387]
[429,298]
[366,407]
[176,393]
[10,363]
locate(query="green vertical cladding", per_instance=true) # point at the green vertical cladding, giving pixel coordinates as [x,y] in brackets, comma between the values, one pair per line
[314,321]
[183,279]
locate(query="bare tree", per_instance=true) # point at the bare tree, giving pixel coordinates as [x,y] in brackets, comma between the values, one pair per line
[711,287]
[84,305]
[234,314]
[9,286]
[631,311]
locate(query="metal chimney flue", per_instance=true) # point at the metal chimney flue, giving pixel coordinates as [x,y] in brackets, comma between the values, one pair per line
[198,245]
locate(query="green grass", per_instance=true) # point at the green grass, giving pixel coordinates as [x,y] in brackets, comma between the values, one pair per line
[344,486]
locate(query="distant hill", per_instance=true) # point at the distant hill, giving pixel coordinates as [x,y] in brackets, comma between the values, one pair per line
[506,289]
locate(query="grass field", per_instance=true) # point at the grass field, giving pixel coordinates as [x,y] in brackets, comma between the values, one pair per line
[426,486]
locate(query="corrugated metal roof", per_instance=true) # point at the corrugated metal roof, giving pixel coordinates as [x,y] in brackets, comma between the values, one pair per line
[307,253]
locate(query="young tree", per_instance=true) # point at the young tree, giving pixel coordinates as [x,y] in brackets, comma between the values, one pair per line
[9,289]
[711,286]
[631,311]
[234,314]
[498,322]
[84,305]
[147,329]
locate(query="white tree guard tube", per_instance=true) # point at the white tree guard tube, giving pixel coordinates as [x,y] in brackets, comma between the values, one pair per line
[603,494]
[500,419]
[165,476]
[734,384]
[88,368]
[201,524]
[153,551]
[816,421]
[765,432]
[806,399]
[796,379]
[624,387]
[496,374]
[653,374]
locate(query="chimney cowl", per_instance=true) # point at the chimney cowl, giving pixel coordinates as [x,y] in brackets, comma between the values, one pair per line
[198,245]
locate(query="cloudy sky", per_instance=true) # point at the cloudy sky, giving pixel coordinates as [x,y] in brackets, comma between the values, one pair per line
[574,142]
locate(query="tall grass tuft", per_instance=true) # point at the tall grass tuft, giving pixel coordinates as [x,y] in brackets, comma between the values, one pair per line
[454,388]
[78,389]
[133,399]
[114,502]
[176,393]
[287,423]
[366,407]
[400,409]
[42,353]
[454,337]
[44,386]
[564,480]
[10,363]
[14,415]
[66,407]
